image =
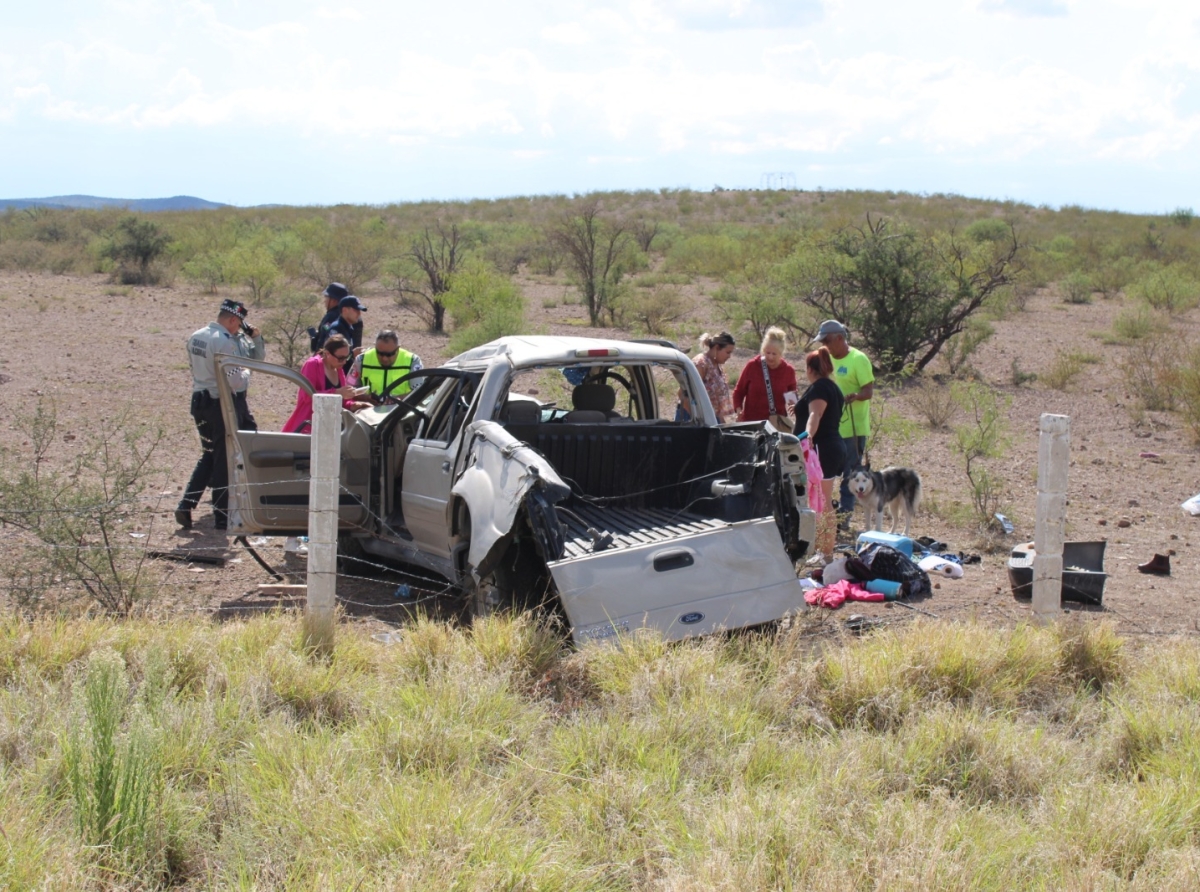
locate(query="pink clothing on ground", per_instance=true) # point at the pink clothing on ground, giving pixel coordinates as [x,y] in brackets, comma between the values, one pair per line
[314,370]
[834,596]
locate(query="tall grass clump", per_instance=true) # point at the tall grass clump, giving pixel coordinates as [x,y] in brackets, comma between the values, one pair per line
[114,777]
[1066,367]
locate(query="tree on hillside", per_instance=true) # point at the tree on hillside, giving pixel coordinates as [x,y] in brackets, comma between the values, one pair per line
[345,251]
[594,248]
[422,276]
[904,293]
[136,244]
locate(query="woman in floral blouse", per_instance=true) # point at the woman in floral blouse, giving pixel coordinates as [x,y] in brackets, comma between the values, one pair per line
[710,363]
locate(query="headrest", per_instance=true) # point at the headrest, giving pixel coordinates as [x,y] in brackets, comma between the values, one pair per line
[594,397]
[521,412]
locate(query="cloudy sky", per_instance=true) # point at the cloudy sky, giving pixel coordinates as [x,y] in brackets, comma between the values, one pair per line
[1092,102]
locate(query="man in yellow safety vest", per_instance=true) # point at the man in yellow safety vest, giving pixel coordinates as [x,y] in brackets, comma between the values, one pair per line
[384,363]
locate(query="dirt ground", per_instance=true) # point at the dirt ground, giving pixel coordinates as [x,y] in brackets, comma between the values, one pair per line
[106,348]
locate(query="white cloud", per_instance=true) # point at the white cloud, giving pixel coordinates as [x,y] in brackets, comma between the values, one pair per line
[569,33]
[720,15]
[1025,8]
[346,13]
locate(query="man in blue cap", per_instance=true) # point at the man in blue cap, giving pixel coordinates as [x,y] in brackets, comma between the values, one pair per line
[349,325]
[333,295]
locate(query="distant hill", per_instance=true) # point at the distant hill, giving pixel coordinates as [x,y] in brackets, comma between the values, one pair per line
[175,203]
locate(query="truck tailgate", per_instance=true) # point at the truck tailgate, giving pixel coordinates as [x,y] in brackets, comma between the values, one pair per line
[721,576]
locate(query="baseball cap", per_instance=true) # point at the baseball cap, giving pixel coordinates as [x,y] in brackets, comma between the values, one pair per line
[352,302]
[234,307]
[830,327]
[335,291]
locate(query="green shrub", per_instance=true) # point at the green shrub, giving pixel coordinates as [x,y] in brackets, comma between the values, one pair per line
[1134,323]
[1168,288]
[1077,288]
[990,229]
[1066,367]
[484,304]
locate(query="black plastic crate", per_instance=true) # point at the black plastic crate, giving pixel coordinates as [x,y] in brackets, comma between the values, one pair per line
[1083,572]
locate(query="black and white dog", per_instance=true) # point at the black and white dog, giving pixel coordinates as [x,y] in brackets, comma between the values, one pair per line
[891,488]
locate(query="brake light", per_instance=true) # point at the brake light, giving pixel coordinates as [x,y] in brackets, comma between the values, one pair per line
[609,351]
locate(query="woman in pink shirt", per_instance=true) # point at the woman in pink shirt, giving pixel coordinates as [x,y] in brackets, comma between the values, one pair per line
[324,371]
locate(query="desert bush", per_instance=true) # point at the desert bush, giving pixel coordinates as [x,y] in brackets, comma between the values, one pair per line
[135,245]
[1134,323]
[1066,367]
[347,250]
[1076,288]
[1169,288]
[484,304]
[286,325]
[1113,274]
[597,249]
[206,270]
[1182,217]
[254,267]
[74,514]
[1019,376]
[1186,381]
[653,313]
[983,437]
[990,229]
[961,347]
[934,402]
[1149,371]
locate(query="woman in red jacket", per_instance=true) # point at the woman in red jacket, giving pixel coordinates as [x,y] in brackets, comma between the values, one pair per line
[753,399]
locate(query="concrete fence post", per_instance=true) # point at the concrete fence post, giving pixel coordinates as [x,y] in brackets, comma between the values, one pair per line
[324,484]
[1054,447]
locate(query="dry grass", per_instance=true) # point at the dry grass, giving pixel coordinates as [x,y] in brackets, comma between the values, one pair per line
[940,756]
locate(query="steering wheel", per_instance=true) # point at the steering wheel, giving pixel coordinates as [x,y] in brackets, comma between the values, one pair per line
[388,399]
[604,376]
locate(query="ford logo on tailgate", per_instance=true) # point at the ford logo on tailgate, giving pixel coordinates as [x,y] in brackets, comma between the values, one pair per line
[690,618]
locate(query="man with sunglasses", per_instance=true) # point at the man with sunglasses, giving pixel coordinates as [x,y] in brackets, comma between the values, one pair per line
[384,363]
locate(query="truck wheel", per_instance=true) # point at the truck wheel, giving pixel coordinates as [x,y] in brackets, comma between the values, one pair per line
[492,594]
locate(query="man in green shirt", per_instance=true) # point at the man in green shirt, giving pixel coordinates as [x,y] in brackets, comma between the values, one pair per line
[854,376]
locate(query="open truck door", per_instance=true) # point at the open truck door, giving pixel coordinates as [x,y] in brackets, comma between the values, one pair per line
[269,470]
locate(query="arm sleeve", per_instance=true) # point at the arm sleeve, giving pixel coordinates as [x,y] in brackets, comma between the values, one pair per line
[355,374]
[315,374]
[417,365]
[258,348]
[743,385]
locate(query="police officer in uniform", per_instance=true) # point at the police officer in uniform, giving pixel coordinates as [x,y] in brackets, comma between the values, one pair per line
[350,326]
[384,363]
[333,294]
[232,336]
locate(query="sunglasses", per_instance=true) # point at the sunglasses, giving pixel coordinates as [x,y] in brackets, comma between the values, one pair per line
[385,353]
[340,357]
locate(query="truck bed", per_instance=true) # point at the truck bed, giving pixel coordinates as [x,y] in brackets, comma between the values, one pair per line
[628,526]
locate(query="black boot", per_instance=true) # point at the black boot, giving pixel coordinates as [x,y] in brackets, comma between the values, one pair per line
[1159,565]
[183,517]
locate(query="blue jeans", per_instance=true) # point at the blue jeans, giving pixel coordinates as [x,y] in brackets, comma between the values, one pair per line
[855,448]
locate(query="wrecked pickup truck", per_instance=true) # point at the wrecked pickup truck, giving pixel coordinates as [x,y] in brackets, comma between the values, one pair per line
[549,471]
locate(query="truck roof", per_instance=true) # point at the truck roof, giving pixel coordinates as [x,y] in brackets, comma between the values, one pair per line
[534,350]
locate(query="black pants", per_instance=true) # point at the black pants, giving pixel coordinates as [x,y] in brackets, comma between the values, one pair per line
[212,470]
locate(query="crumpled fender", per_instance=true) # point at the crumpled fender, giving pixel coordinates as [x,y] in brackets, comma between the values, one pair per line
[499,473]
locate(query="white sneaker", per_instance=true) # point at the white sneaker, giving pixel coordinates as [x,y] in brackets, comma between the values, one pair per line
[293,545]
